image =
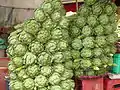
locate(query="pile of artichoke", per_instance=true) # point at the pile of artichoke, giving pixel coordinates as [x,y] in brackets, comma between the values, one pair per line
[93,37]
[39,51]
[47,50]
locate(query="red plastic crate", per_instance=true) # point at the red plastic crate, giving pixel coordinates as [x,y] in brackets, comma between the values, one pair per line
[5,59]
[117,89]
[72,6]
[3,73]
[2,53]
[77,84]
[110,84]
[91,84]
[4,62]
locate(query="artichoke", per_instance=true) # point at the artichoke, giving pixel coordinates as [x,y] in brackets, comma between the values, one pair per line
[92,21]
[90,2]
[56,16]
[39,15]
[75,54]
[81,21]
[54,79]
[40,81]
[47,8]
[25,38]
[36,48]
[17,61]
[85,63]
[59,68]
[58,57]
[29,58]
[18,85]
[86,53]
[88,42]
[48,24]
[75,31]
[44,59]
[108,29]
[77,44]
[103,19]
[68,74]
[97,9]
[29,84]
[97,62]
[84,10]
[43,36]
[97,52]
[62,45]
[100,41]
[86,31]
[56,88]
[33,70]
[22,74]
[99,30]
[19,50]
[46,70]
[108,9]
[51,46]
[67,85]
[32,27]
[64,23]
[112,38]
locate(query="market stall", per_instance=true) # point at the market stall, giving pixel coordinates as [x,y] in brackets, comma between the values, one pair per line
[52,50]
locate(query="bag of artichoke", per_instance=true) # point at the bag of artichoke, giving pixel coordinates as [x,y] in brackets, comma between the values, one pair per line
[47,50]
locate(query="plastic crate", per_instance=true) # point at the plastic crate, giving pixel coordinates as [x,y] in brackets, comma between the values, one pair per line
[3,73]
[72,6]
[77,84]
[113,84]
[4,62]
[2,53]
[91,84]
[116,61]
[117,87]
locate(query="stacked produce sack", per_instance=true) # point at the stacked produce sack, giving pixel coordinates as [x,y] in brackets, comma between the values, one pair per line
[39,51]
[93,37]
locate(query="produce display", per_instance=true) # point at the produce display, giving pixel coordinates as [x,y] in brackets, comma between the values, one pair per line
[93,37]
[47,50]
[39,51]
